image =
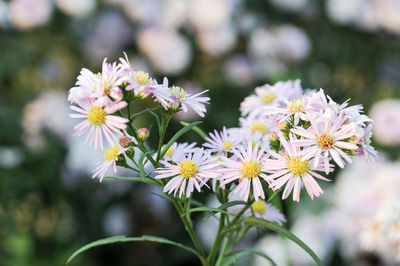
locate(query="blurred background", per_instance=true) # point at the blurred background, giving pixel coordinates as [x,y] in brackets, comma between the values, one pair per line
[49,205]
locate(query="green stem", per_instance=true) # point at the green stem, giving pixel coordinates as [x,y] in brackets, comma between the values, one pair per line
[223,249]
[165,118]
[189,228]
[217,242]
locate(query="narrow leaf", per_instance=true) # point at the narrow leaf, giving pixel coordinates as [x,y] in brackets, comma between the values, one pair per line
[177,136]
[233,257]
[284,232]
[142,112]
[225,206]
[136,179]
[117,239]
[196,129]
[208,209]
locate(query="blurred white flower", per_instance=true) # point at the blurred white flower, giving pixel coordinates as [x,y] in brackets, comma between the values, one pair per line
[205,14]
[117,221]
[358,12]
[168,51]
[291,5]
[142,11]
[386,117]
[240,70]
[3,13]
[10,157]
[39,115]
[285,42]
[27,14]
[217,41]
[76,8]
[99,45]
[365,216]
[387,13]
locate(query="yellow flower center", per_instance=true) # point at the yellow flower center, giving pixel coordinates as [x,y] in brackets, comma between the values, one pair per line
[188,169]
[142,78]
[227,144]
[178,92]
[268,97]
[250,169]
[111,153]
[260,127]
[259,206]
[295,106]
[325,141]
[96,116]
[298,167]
[170,152]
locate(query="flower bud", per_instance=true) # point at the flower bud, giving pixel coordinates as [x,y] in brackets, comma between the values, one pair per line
[125,141]
[273,136]
[143,133]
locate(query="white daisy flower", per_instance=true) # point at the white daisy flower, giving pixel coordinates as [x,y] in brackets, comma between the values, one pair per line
[267,211]
[99,121]
[271,95]
[139,81]
[85,86]
[191,171]
[259,209]
[220,142]
[297,108]
[293,170]
[326,137]
[178,150]
[109,82]
[175,98]
[245,166]
[111,158]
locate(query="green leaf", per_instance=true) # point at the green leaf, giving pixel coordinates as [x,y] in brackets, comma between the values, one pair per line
[234,256]
[196,129]
[142,112]
[208,209]
[227,205]
[117,239]
[136,179]
[284,232]
[177,136]
[156,117]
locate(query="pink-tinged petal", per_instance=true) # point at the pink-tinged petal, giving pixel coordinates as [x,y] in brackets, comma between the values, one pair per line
[78,115]
[344,155]
[288,188]
[303,142]
[326,162]
[77,109]
[308,186]
[319,176]
[317,157]
[112,108]
[117,119]
[302,132]
[296,189]
[336,158]
[346,145]
[278,183]
[278,174]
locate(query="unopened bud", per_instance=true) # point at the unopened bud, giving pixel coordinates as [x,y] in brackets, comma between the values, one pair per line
[143,133]
[125,141]
[273,136]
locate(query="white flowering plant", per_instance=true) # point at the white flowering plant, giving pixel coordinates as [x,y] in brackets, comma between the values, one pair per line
[288,139]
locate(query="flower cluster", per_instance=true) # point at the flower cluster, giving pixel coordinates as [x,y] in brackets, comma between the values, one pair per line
[287,140]
[101,101]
